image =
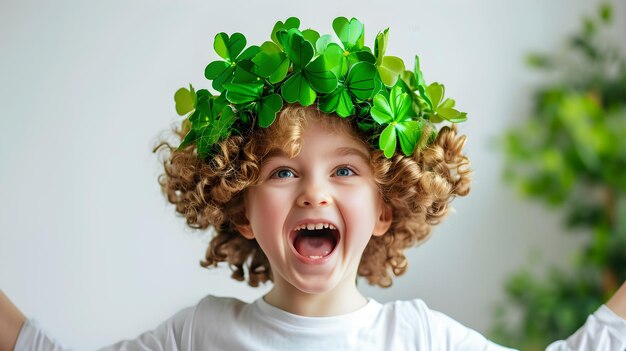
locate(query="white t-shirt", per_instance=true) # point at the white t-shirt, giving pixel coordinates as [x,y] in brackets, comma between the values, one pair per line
[220,323]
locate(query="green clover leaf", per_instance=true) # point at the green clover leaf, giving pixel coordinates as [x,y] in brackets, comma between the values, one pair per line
[245,72]
[268,108]
[421,84]
[350,33]
[309,77]
[206,108]
[271,62]
[311,36]
[242,93]
[351,36]
[265,107]
[290,23]
[338,101]
[185,100]
[395,111]
[230,49]
[298,50]
[335,58]
[362,83]
[389,67]
[443,110]
[211,133]
[322,43]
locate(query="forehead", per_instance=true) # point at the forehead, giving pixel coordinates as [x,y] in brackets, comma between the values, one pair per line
[320,137]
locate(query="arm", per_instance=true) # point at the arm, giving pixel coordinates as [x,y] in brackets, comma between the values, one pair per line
[17,333]
[617,303]
[604,330]
[11,321]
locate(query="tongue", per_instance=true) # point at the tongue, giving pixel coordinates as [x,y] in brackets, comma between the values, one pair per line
[314,246]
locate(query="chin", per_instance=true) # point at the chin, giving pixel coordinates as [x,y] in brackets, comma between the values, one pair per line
[316,285]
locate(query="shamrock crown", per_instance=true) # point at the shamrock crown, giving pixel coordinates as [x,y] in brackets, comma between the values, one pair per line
[347,78]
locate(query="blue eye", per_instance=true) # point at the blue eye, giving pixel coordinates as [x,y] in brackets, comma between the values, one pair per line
[283,173]
[344,172]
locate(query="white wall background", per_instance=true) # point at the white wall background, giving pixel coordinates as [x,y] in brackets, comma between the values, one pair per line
[88,245]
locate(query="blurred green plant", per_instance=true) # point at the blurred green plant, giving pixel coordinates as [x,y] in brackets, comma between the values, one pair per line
[571,154]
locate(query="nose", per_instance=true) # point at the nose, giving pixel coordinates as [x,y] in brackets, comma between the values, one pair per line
[313,195]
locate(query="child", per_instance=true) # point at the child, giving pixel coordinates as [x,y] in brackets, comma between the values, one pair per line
[309,200]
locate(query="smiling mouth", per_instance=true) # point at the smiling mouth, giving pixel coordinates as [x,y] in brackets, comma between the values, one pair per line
[315,244]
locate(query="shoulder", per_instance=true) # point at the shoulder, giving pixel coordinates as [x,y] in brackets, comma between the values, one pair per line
[220,304]
[412,311]
[436,329]
[217,308]
[419,315]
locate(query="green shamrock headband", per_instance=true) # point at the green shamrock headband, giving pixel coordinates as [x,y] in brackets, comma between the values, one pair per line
[347,78]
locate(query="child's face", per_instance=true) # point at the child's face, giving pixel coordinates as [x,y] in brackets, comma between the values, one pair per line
[329,182]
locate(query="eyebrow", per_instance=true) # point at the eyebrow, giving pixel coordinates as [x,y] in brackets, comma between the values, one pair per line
[346,151]
[275,152]
[342,151]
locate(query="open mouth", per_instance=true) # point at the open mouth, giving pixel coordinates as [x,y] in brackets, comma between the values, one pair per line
[315,242]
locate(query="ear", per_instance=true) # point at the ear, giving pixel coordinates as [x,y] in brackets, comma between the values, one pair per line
[245,230]
[383,222]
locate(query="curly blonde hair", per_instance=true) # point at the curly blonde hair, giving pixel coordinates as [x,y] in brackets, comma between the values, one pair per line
[418,188]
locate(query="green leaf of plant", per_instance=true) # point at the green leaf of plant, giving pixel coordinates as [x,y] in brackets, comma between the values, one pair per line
[436,93]
[291,22]
[390,69]
[298,50]
[387,141]
[361,80]
[246,72]
[311,36]
[216,103]
[421,84]
[185,100]
[335,60]
[409,79]
[189,139]
[380,46]
[451,114]
[215,69]
[447,103]
[400,104]
[361,56]
[220,45]
[297,88]
[269,107]
[381,111]
[216,131]
[229,47]
[322,43]
[350,33]
[242,93]
[248,53]
[462,118]
[319,76]
[338,101]
[271,62]
[409,133]
[219,72]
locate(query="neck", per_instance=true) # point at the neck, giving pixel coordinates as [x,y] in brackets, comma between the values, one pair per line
[340,300]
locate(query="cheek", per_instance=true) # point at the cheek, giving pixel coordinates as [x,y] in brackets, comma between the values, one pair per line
[265,209]
[360,209]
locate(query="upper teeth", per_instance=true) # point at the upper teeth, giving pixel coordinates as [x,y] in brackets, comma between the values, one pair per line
[312,226]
